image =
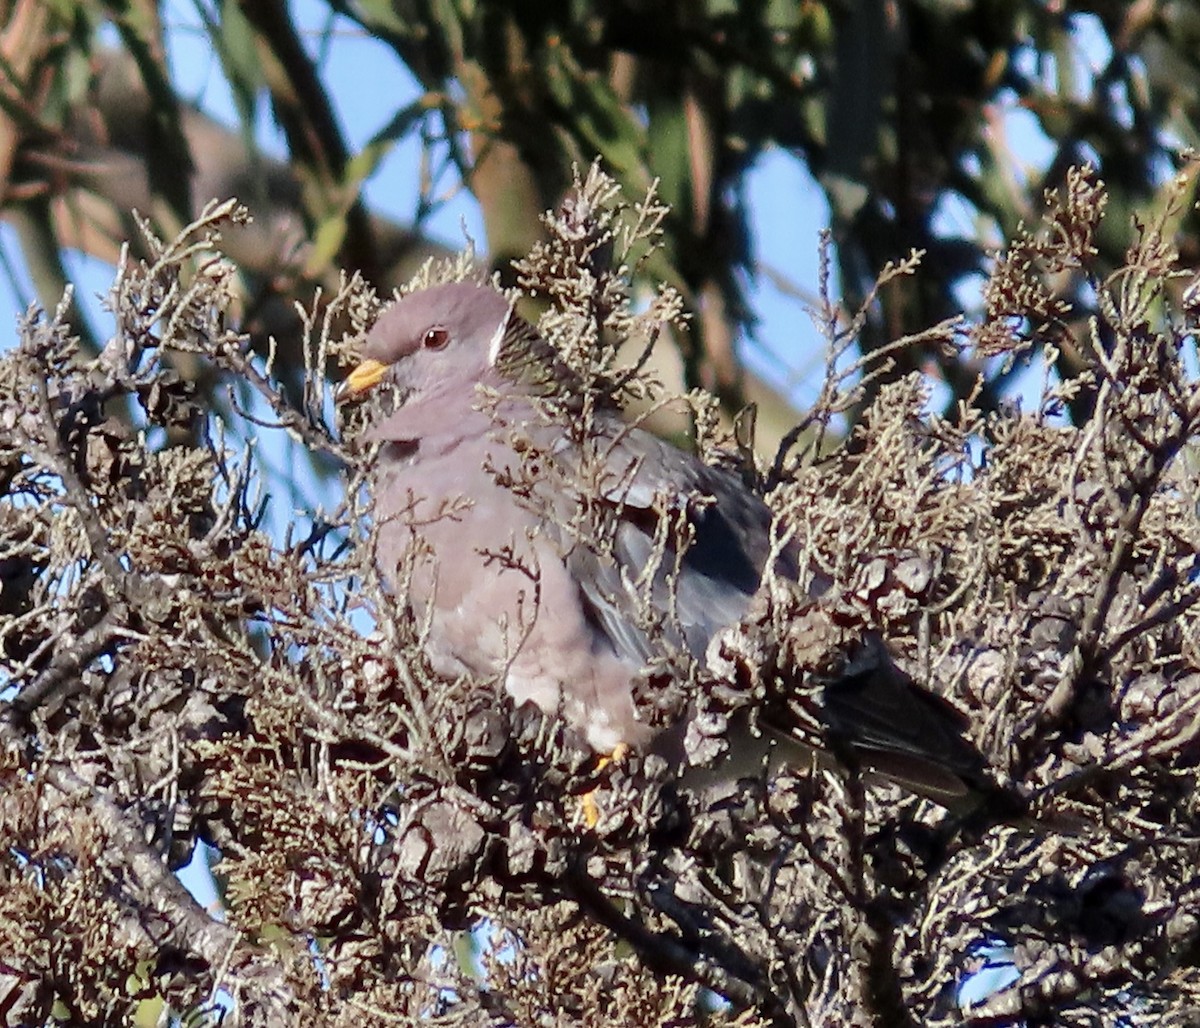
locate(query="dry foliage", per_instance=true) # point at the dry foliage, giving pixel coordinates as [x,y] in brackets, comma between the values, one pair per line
[391,847]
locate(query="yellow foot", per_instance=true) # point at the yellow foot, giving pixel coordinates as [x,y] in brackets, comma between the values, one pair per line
[591,809]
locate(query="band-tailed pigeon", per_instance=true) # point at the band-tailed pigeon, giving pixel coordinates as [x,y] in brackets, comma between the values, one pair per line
[509,591]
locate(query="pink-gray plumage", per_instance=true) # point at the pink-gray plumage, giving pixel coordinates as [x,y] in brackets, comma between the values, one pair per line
[564,636]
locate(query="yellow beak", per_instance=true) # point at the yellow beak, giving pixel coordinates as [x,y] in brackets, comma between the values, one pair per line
[363,378]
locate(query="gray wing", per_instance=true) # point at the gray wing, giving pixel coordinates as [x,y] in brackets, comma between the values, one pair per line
[718,572]
[873,716]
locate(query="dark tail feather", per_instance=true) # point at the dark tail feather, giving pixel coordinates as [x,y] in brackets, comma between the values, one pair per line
[877,721]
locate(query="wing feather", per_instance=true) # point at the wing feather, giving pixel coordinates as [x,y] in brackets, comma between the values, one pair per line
[709,586]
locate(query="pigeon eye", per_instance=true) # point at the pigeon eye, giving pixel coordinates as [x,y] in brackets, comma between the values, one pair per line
[436,339]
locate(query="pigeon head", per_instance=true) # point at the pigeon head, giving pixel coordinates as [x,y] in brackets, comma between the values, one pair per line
[432,338]
[441,337]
